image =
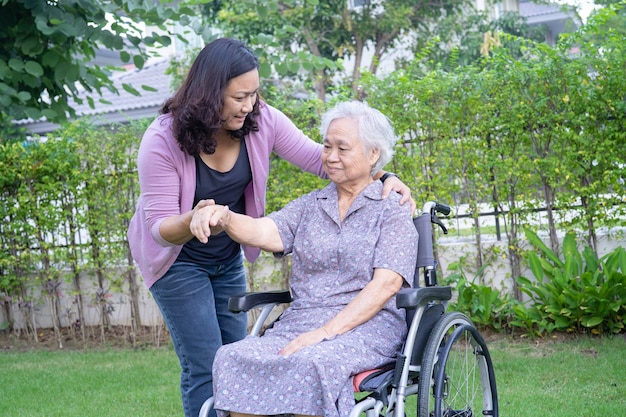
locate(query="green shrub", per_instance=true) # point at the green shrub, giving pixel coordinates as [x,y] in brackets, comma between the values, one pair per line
[485,305]
[576,293]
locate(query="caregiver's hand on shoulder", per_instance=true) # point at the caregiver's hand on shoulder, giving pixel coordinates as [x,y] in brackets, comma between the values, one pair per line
[394,184]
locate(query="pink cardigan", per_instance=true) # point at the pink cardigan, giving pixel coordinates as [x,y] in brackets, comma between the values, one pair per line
[167,179]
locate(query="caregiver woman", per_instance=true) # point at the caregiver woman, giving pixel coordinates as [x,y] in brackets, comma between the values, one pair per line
[211,144]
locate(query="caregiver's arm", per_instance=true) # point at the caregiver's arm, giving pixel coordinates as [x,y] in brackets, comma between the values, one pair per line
[262,233]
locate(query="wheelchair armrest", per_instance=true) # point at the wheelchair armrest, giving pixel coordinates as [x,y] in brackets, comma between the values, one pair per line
[410,298]
[248,301]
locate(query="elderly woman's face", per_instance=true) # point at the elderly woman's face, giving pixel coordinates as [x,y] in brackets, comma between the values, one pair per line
[344,157]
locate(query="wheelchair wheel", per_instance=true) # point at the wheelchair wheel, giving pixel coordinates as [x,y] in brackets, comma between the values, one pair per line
[456,377]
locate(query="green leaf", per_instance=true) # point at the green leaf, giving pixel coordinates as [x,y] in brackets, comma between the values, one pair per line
[535,265]
[23,96]
[33,68]
[265,70]
[538,243]
[138,60]
[293,66]
[562,323]
[573,259]
[129,88]
[282,68]
[592,262]
[592,321]
[49,114]
[148,88]
[16,64]
[50,59]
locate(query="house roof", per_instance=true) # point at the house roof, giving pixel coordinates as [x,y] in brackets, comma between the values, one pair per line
[556,17]
[123,106]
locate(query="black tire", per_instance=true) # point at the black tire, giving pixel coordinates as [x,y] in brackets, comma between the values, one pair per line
[456,377]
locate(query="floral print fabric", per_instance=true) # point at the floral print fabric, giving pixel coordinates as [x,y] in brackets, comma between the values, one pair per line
[332,261]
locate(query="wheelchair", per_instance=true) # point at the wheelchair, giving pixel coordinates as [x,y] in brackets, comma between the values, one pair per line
[444,362]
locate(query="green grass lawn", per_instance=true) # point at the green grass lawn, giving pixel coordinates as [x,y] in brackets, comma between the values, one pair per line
[582,378]
[90,383]
[571,378]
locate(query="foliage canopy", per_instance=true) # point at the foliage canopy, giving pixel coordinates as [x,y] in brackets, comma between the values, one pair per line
[46,48]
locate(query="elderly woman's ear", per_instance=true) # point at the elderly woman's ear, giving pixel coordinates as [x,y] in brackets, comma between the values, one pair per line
[374,156]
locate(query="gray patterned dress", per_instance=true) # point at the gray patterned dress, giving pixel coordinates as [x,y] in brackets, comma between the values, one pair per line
[332,261]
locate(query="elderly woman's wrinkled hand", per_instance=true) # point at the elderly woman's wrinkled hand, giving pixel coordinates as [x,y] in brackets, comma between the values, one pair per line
[304,340]
[208,219]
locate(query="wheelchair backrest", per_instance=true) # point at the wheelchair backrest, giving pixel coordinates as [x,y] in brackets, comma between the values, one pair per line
[425,252]
[426,266]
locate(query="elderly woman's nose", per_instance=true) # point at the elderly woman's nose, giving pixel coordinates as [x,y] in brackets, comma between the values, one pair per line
[333,154]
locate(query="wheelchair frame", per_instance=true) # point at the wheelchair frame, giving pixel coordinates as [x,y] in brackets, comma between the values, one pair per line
[444,362]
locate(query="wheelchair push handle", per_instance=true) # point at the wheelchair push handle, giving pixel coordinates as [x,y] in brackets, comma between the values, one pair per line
[432,208]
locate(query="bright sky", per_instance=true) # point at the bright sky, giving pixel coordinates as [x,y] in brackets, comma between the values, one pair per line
[585,7]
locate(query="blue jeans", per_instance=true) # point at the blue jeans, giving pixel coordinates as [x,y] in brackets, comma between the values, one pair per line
[193,300]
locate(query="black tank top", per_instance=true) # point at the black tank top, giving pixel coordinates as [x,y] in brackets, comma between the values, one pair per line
[226,188]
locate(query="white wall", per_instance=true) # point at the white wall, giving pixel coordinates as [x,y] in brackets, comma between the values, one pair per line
[267,276]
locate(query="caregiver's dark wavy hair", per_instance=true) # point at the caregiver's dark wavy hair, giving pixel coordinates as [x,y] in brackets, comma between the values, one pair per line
[197,104]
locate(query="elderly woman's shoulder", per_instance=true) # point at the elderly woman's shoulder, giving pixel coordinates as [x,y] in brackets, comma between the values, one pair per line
[393,203]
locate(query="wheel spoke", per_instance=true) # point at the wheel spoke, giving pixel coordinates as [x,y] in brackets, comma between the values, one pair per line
[461,368]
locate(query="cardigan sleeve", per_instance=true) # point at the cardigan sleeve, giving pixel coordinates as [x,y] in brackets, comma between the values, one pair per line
[162,178]
[292,145]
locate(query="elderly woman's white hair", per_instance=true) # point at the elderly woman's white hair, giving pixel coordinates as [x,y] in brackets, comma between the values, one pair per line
[374,128]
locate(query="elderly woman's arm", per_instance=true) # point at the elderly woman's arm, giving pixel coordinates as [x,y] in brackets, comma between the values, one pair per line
[262,233]
[384,285]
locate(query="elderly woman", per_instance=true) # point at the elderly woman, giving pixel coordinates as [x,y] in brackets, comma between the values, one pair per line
[352,252]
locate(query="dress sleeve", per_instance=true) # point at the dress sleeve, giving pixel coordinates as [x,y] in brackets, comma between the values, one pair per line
[288,220]
[397,246]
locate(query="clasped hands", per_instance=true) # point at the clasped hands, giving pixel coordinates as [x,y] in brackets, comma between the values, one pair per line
[208,219]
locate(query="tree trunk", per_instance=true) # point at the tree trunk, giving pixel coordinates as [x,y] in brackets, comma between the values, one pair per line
[135,314]
[50,285]
[359,47]
[513,248]
[548,195]
[74,262]
[479,249]
[588,210]
[592,239]
[7,306]
[101,291]
[52,290]
[319,76]
[78,299]
[319,84]
[383,40]
[27,310]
